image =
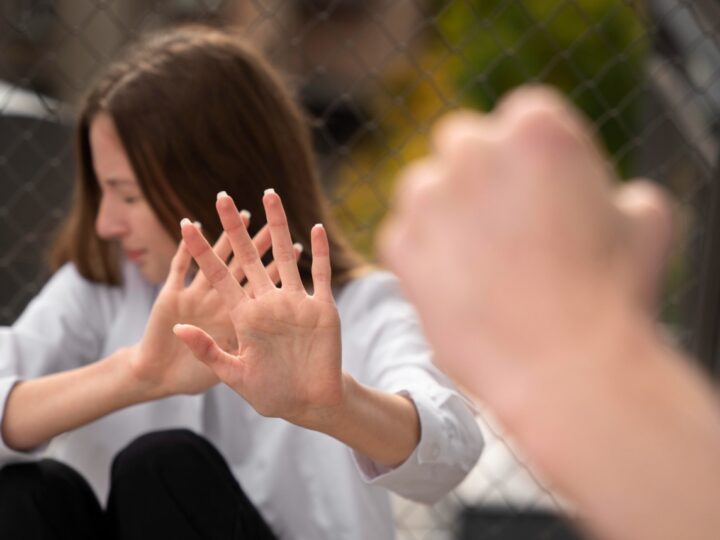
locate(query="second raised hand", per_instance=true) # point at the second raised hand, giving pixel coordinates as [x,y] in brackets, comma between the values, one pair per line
[288,361]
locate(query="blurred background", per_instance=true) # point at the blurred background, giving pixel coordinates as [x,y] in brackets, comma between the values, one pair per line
[373,75]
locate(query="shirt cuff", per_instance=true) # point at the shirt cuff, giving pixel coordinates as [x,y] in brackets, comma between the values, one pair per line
[450,445]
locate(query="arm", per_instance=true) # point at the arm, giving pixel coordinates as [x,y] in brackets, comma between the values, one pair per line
[289,360]
[534,280]
[628,429]
[384,348]
[61,329]
[39,409]
[158,366]
[382,426]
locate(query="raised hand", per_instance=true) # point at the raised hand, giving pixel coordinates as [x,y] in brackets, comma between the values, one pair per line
[288,362]
[159,361]
[533,276]
[513,243]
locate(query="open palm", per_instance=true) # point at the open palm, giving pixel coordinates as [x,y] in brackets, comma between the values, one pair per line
[287,363]
[162,362]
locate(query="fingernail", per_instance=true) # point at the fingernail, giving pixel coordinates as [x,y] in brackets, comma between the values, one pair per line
[222,194]
[178,327]
[268,191]
[184,221]
[246,214]
[318,225]
[298,247]
[198,224]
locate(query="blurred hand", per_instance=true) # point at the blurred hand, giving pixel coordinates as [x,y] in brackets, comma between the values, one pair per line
[513,243]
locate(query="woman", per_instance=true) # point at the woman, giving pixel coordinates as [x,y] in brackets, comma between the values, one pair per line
[93,368]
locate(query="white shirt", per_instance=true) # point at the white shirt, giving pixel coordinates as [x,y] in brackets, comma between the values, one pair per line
[306,484]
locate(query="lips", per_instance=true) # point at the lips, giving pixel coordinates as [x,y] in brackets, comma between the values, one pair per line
[134,254]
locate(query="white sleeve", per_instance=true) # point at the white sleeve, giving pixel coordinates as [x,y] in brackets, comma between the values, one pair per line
[397,359]
[62,328]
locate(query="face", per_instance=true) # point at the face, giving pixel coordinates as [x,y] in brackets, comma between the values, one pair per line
[125,216]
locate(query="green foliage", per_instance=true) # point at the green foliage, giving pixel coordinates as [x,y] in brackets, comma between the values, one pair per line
[592,50]
[474,52]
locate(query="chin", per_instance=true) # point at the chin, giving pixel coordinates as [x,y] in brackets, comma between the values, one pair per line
[153,276]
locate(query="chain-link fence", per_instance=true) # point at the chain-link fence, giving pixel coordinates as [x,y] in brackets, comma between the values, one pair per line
[374,75]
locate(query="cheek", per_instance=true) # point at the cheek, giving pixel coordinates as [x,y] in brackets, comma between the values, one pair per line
[158,238]
[163,248]
[165,244]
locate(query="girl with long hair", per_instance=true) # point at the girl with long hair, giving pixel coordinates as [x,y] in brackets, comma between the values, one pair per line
[101,401]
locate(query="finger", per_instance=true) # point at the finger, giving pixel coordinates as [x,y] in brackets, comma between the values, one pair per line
[391,247]
[321,269]
[214,268]
[415,185]
[550,119]
[525,99]
[222,247]
[420,189]
[262,244]
[272,268]
[454,128]
[282,245]
[205,349]
[246,254]
[648,211]
[179,267]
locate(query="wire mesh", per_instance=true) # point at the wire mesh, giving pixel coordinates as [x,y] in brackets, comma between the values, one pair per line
[374,75]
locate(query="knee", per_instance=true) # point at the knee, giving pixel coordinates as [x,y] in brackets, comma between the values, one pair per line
[156,450]
[48,499]
[19,482]
[46,479]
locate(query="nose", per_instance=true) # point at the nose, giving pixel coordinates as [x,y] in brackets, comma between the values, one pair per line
[110,223]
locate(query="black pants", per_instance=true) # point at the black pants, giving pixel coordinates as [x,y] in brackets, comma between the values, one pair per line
[168,484]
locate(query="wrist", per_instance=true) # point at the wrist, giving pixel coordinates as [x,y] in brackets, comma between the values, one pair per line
[132,379]
[384,427]
[328,417]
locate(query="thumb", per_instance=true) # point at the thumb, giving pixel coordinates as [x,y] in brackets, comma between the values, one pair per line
[205,349]
[648,210]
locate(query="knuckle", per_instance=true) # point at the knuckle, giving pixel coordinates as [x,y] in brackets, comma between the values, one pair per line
[417,185]
[216,275]
[531,96]
[245,252]
[453,124]
[283,255]
[545,130]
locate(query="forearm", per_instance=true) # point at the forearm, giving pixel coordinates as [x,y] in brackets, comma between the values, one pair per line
[39,409]
[630,432]
[384,427]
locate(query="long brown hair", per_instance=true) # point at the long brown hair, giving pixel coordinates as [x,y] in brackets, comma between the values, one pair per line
[197,112]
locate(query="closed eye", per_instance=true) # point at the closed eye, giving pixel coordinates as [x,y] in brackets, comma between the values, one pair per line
[131,199]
